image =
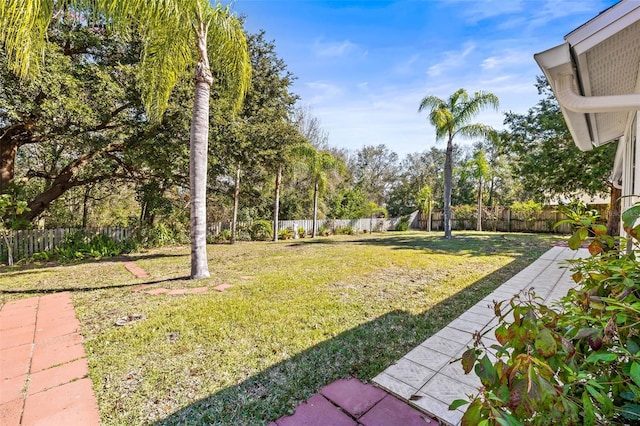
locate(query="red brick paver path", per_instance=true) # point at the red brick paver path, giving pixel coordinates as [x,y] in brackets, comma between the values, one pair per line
[43,365]
[350,402]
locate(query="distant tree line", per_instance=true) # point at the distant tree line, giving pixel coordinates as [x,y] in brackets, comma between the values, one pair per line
[78,148]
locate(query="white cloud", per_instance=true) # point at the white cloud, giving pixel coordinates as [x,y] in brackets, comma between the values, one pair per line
[452,59]
[322,91]
[407,67]
[335,49]
[475,11]
[506,58]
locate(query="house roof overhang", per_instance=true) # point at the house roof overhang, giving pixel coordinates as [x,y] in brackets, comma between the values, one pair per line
[594,75]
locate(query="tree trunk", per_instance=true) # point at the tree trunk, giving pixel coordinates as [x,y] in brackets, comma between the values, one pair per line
[448,183]
[491,189]
[236,199]
[615,211]
[479,220]
[276,206]
[198,141]
[8,151]
[9,248]
[85,206]
[429,210]
[61,184]
[315,210]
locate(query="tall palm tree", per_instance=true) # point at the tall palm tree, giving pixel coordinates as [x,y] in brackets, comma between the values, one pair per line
[480,171]
[451,117]
[424,202]
[318,164]
[175,33]
[288,155]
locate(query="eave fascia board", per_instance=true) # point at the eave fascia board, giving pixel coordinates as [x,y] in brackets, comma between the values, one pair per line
[603,26]
[553,63]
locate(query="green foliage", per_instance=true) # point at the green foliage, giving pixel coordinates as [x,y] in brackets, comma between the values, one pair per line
[9,210]
[261,230]
[301,232]
[525,210]
[346,230]
[465,212]
[548,161]
[348,203]
[161,235]
[403,224]
[85,245]
[285,234]
[223,236]
[579,365]
[324,231]
[375,171]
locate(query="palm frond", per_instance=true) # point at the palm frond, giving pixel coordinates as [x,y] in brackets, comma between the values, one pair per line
[24,26]
[167,53]
[472,106]
[474,130]
[229,54]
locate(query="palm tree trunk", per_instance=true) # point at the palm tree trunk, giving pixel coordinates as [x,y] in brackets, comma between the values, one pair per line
[315,210]
[276,207]
[199,140]
[236,199]
[448,183]
[479,222]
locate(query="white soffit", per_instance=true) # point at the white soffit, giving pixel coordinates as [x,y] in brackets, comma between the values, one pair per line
[603,55]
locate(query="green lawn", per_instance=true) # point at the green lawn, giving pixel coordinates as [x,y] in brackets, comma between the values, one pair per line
[300,315]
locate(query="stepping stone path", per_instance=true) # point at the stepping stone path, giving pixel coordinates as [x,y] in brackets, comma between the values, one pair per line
[349,402]
[138,272]
[43,365]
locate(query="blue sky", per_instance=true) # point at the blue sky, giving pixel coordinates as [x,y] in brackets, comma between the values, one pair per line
[363,66]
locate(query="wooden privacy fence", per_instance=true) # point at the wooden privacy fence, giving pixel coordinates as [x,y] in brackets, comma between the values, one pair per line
[26,243]
[501,219]
[361,225]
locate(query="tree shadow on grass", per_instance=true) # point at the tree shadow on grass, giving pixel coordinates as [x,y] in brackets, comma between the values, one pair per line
[22,268]
[363,352]
[82,289]
[469,243]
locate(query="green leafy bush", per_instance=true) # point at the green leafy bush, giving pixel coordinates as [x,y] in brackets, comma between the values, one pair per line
[403,224]
[579,365]
[83,245]
[160,235]
[526,210]
[223,236]
[465,212]
[285,234]
[324,231]
[261,230]
[346,230]
[301,232]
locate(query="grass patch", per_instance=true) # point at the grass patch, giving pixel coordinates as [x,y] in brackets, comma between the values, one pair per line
[299,315]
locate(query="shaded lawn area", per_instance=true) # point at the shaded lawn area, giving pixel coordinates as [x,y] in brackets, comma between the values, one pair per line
[299,315]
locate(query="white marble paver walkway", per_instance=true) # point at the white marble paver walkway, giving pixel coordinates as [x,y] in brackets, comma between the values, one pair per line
[427,378]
